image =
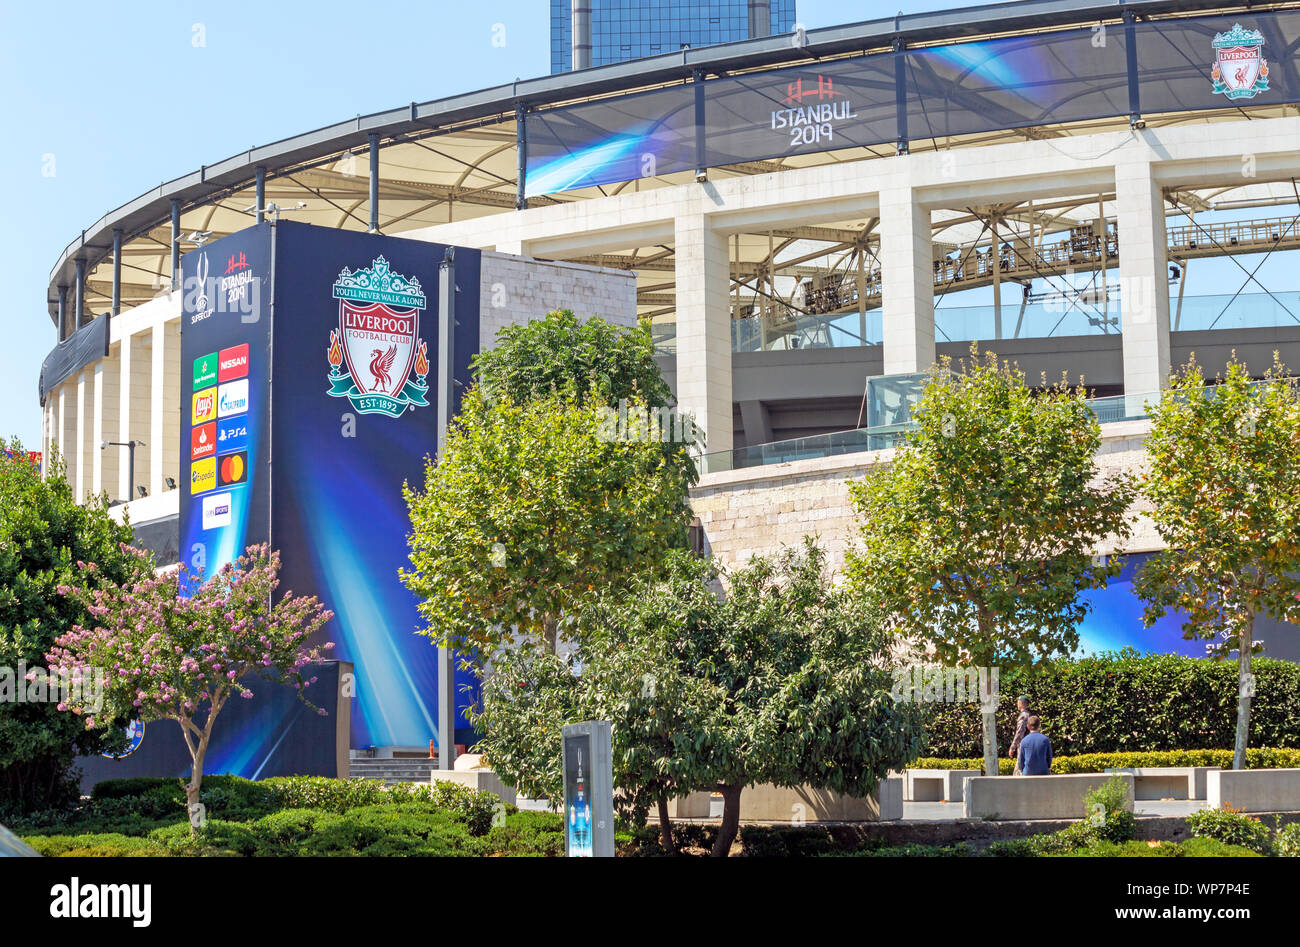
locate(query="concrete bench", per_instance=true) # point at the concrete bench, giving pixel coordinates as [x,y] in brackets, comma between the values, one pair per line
[480,778]
[935,785]
[766,803]
[1167,782]
[1254,790]
[1006,798]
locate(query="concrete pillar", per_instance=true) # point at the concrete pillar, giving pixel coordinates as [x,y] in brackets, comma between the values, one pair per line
[157,409]
[108,406]
[703,329]
[1144,292]
[135,410]
[170,435]
[906,282]
[66,423]
[80,446]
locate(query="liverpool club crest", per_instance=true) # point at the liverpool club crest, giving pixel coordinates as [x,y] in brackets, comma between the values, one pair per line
[1240,70]
[378,342]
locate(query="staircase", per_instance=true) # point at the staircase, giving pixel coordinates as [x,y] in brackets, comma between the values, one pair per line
[394,771]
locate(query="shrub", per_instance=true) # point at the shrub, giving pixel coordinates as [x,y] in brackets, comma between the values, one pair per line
[764,841]
[1106,811]
[1286,842]
[111,845]
[528,833]
[1231,827]
[1260,758]
[1124,701]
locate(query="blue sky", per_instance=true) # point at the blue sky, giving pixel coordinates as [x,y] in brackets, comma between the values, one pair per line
[122,98]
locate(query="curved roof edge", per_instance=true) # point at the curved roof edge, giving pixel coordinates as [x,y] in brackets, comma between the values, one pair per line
[96,242]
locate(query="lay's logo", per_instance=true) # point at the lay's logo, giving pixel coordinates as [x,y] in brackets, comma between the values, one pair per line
[204,406]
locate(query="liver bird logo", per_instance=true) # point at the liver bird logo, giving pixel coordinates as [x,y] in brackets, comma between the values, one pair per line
[381,364]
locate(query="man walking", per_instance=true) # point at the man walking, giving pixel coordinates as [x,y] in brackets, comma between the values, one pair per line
[1022,704]
[1034,758]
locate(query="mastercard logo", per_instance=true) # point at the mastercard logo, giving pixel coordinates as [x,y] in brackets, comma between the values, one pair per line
[233,468]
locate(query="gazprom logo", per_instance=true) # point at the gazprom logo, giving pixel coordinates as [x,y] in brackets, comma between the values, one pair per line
[232,398]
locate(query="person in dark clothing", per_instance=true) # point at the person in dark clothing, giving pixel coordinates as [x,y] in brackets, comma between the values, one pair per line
[1035,755]
[1022,718]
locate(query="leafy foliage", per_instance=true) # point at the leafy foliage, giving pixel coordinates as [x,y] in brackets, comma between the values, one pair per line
[1126,702]
[1224,487]
[45,537]
[562,354]
[1231,827]
[163,655]
[782,681]
[977,537]
[528,511]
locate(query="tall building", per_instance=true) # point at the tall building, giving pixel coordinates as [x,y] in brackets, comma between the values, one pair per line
[610,31]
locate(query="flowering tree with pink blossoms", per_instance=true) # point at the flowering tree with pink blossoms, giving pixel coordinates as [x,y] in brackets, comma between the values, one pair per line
[164,656]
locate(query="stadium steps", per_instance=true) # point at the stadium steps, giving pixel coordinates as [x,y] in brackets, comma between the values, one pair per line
[394,771]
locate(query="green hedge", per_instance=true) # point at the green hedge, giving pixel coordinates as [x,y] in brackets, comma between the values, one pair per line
[1256,758]
[1115,703]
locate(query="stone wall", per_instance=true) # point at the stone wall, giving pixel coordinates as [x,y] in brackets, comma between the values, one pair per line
[759,510]
[515,289]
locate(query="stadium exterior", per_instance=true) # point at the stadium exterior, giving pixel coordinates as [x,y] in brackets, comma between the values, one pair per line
[794,210]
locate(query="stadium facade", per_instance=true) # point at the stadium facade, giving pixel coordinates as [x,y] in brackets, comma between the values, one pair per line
[798,212]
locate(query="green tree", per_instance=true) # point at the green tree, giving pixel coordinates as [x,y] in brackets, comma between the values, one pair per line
[533,506]
[45,537]
[978,536]
[564,355]
[1223,480]
[782,680]
[168,656]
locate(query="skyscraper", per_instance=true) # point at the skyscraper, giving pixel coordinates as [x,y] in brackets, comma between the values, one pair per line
[610,31]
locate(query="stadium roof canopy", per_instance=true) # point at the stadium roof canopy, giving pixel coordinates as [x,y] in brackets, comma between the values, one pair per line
[457,158]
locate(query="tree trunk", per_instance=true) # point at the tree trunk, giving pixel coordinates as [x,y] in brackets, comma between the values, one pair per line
[990,720]
[549,624]
[666,827]
[1245,640]
[195,784]
[730,820]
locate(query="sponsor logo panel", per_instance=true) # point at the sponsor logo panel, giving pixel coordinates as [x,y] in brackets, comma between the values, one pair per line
[203,441]
[232,363]
[204,406]
[203,475]
[232,398]
[232,434]
[233,468]
[216,510]
[205,371]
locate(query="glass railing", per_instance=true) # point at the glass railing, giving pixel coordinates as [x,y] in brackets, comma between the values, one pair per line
[1108,410]
[1044,319]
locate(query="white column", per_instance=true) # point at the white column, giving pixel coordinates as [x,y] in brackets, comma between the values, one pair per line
[107,426]
[81,481]
[1144,287]
[97,438]
[906,282]
[125,431]
[170,396]
[703,329]
[157,376]
[61,437]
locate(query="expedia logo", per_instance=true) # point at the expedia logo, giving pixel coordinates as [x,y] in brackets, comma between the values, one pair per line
[203,475]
